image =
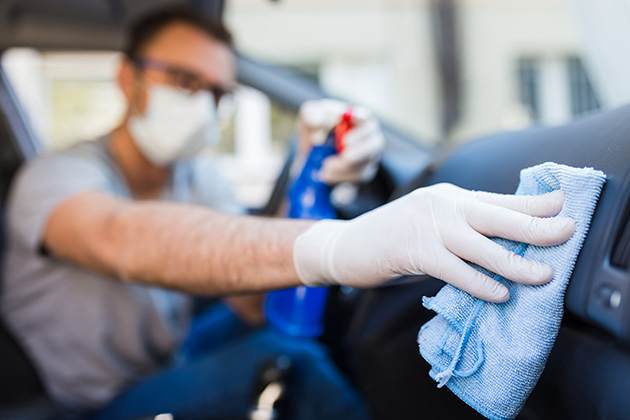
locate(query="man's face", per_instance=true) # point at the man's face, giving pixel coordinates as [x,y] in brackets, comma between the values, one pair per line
[182,56]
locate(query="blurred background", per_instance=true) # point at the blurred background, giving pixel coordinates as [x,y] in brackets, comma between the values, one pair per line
[441,71]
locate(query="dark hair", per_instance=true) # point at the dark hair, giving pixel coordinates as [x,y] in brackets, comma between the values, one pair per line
[143,30]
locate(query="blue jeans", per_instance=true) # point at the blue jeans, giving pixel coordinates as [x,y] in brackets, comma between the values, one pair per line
[215,326]
[219,384]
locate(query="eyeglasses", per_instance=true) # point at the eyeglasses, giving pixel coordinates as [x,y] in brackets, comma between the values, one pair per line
[181,78]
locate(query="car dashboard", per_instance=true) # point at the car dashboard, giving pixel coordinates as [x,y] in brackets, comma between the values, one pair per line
[589,366]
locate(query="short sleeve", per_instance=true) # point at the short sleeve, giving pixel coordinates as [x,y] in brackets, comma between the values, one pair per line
[44,184]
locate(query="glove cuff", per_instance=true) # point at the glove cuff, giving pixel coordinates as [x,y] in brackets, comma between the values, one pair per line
[313,253]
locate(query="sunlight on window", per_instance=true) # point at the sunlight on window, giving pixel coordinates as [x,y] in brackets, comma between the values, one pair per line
[69,96]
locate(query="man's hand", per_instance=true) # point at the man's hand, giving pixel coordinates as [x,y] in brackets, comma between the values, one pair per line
[435,230]
[248,308]
[364,143]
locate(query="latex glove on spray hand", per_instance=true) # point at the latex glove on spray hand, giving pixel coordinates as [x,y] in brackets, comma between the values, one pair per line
[434,231]
[357,159]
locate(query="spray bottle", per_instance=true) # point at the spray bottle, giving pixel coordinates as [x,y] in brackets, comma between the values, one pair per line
[299,311]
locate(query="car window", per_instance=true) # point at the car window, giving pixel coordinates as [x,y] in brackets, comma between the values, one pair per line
[67,96]
[73,96]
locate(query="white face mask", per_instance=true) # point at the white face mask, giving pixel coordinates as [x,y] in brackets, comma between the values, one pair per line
[176,125]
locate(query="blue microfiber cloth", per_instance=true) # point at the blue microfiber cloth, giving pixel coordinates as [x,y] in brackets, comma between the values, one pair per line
[492,354]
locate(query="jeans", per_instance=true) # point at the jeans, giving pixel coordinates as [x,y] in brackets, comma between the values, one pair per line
[210,329]
[219,384]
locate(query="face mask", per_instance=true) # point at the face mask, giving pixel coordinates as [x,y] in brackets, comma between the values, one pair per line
[175,126]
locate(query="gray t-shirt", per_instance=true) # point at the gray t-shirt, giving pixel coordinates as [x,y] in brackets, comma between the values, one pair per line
[90,335]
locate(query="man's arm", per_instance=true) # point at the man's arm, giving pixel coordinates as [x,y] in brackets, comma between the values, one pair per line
[189,248]
[432,230]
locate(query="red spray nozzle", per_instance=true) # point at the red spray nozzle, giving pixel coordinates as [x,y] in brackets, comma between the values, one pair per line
[342,129]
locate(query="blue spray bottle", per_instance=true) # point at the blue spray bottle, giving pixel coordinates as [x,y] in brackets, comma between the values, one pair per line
[299,311]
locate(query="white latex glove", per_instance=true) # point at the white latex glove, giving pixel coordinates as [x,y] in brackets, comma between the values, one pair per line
[434,230]
[364,143]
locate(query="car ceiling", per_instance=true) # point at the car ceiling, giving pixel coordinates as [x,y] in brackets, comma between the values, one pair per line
[77,24]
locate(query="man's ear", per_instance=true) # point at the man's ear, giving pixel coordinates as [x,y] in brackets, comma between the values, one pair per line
[128,82]
[126,76]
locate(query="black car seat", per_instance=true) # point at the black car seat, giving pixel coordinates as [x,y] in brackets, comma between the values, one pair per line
[21,392]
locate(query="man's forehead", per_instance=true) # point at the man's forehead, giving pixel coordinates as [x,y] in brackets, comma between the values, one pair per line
[189,47]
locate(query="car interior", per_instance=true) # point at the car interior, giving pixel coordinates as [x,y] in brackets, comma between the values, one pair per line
[588,373]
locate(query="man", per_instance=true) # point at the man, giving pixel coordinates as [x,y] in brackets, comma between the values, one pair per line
[103,236]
